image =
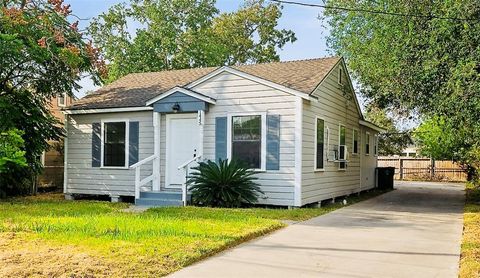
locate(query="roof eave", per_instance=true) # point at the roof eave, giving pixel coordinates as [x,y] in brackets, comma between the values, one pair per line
[106,110]
[372,126]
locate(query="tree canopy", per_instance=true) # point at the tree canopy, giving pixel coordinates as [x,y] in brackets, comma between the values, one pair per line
[155,35]
[42,55]
[416,62]
[393,141]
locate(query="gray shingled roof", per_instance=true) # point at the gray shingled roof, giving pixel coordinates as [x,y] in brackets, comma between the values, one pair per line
[135,89]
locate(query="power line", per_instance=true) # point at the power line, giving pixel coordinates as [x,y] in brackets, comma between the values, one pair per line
[373,11]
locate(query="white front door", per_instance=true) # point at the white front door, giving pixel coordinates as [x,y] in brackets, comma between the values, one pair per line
[183,138]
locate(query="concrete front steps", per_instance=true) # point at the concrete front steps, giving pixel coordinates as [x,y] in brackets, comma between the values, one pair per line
[161,199]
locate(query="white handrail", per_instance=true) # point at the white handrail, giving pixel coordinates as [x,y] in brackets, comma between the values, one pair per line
[143,161]
[138,181]
[188,162]
[184,166]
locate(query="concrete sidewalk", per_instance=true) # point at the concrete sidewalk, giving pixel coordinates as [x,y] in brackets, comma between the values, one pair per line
[414,231]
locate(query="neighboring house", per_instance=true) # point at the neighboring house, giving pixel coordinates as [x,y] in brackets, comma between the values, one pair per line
[297,123]
[52,159]
[410,151]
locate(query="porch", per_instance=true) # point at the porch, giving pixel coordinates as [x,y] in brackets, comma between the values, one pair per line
[178,122]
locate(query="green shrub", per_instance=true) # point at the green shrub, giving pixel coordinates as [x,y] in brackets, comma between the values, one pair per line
[226,184]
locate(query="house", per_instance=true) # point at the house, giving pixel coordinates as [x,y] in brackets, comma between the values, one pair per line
[297,123]
[52,159]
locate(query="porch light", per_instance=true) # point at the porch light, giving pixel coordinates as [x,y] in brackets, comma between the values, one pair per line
[176,107]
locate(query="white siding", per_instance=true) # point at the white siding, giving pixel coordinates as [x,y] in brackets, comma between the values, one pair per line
[335,108]
[82,178]
[235,94]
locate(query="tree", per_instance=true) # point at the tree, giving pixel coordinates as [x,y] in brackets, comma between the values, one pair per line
[425,61]
[11,145]
[438,140]
[11,154]
[42,54]
[435,139]
[177,34]
[393,141]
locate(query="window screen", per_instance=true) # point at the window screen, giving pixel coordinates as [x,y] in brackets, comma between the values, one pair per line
[320,143]
[114,144]
[247,140]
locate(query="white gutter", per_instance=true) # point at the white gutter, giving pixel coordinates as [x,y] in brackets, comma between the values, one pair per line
[371,125]
[106,110]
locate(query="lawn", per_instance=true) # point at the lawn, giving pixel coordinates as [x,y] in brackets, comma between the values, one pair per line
[48,236]
[470,258]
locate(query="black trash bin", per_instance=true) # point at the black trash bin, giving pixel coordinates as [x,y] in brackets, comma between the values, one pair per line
[385,177]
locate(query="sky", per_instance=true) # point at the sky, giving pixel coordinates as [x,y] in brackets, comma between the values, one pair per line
[310,31]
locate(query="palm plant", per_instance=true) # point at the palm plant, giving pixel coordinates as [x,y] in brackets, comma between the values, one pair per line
[226,184]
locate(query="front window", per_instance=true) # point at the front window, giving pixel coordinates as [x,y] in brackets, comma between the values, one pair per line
[355,141]
[320,135]
[247,140]
[343,148]
[114,135]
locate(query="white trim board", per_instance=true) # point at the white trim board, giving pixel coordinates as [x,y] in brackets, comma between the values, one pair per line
[298,151]
[65,156]
[106,110]
[252,78]
[183,91]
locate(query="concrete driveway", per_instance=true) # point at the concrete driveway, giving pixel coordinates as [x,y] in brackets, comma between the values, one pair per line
[414,231]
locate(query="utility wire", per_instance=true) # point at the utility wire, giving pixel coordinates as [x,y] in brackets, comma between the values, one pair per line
[324,6]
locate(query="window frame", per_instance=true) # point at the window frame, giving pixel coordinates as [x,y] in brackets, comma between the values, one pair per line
[353,141]
[339,139]
[263,142]
[375,145]
[64,95]
[325,129]
[127,142]
[367,142]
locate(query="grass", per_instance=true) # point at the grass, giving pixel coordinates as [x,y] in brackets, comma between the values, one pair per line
[48,236]
[470,256]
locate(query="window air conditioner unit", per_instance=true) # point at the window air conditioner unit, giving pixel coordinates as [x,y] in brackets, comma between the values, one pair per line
[332,156]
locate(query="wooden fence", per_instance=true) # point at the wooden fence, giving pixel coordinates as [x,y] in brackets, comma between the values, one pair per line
[424,169]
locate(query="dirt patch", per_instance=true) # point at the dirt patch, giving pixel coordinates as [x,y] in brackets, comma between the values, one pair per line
[20,257]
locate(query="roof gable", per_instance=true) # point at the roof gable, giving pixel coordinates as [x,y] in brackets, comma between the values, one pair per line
[249,77]
[341,63]
[184,91]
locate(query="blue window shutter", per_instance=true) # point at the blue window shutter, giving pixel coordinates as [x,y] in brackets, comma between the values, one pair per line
[220,138]
[273,142]
[96,144]
[133,143]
